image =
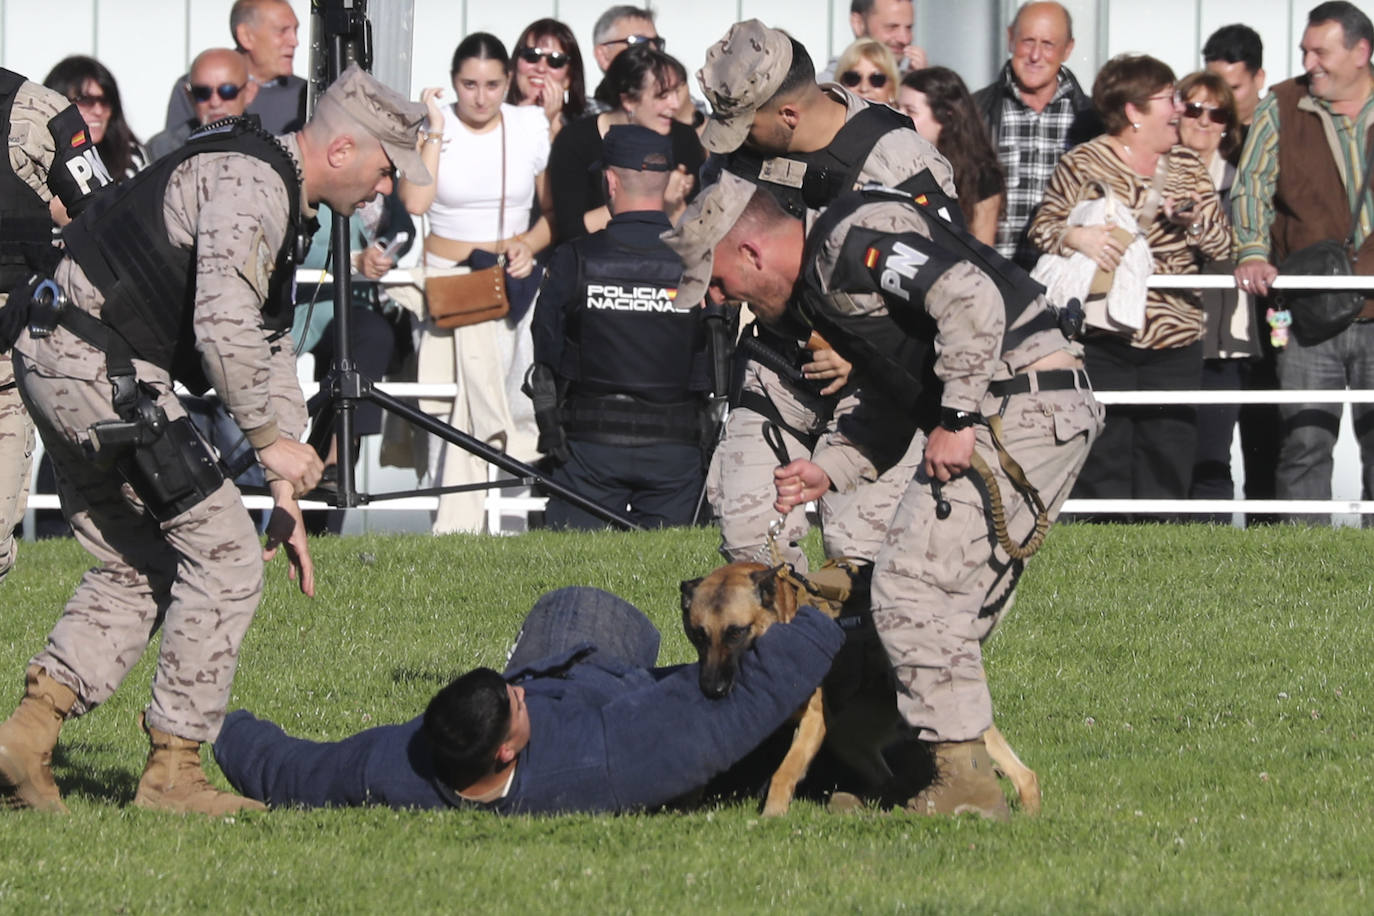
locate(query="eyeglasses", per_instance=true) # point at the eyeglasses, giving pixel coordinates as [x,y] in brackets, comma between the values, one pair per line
[852,78]
[1213,113]
[557,59]
[631,40]
[227,91]
[82,100]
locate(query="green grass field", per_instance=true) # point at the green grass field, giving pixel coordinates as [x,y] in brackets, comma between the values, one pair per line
[1196,702]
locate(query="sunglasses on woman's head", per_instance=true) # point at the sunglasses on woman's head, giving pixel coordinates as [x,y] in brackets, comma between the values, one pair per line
[852,78]
[227,91]
[557,59]
[1214,114]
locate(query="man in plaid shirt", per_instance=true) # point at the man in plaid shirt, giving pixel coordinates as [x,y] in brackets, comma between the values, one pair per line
[1034,110]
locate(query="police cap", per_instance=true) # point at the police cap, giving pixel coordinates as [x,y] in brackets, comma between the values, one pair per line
[708,219]
[385,114]
[632,146]
[743,71]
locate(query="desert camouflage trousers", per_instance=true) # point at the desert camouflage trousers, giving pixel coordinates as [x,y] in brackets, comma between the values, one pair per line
[940,585]
[198,575]
[16,454]
[739,483]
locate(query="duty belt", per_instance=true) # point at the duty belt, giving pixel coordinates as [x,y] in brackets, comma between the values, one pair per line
[621,419]
[1045,380]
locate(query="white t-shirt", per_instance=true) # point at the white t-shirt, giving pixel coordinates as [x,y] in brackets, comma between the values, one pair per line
[467,200]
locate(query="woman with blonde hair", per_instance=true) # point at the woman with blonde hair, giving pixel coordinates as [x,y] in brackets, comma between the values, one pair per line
[868,69]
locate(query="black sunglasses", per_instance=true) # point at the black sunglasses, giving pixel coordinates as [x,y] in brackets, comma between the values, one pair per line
[227,91]
[1215,114]
[852,78]
[655,41]
[557,59]
[83,100]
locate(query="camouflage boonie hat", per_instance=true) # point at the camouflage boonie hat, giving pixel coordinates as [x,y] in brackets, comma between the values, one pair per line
[743,70]
[709,218]
[385,114]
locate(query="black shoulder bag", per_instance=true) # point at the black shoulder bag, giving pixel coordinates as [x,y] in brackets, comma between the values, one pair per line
[1319,315]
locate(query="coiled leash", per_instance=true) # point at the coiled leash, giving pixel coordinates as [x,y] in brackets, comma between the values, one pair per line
[1017,476]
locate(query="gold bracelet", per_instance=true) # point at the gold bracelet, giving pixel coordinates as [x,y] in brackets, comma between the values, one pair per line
[432,136]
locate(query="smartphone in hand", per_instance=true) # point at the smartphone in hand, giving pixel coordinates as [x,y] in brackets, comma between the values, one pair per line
[391,248]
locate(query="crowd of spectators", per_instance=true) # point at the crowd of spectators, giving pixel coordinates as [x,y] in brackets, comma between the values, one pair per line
[514,139]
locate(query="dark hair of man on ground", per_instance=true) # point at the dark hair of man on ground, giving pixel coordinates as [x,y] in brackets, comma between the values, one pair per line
[1355,25]
[1235,44]
[465,724]
[482,46]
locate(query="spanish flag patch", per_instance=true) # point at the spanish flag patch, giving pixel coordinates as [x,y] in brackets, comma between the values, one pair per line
[78,139]
[922,200]
[670,292]
[871,258]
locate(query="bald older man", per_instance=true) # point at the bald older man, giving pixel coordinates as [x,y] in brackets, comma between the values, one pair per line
[265,38]
[1035,110]
[184,275]
[217,87]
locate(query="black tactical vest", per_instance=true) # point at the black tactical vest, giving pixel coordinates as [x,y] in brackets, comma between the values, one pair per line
[148,283]
[901,268]
[802,181]
[26,242]
[626,336]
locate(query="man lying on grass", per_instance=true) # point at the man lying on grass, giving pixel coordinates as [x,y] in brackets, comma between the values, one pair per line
[581,721]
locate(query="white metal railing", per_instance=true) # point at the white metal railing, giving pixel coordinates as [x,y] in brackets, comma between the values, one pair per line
[498,505]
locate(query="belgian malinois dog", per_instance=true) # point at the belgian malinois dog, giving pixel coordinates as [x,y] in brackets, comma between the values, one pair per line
[724,612]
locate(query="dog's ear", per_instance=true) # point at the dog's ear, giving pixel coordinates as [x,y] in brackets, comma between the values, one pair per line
[689,587]
[766,586]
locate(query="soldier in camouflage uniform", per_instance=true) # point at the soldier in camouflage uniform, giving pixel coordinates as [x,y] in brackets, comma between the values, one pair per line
[32,117]
[228,209]
[773,124]
[882,280]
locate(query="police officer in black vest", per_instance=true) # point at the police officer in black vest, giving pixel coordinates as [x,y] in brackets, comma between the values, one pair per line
[621,371]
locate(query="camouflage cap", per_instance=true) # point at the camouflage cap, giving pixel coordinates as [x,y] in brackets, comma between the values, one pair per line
[743,70]
[709,218]
[385,114]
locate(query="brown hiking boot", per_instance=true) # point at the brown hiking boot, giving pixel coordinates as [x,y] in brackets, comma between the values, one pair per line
[173,780]
[964,783]
[26,742]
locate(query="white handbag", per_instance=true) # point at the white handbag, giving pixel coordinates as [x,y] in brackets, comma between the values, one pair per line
[1112,300]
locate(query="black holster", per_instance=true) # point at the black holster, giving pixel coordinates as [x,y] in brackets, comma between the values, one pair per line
[167,463]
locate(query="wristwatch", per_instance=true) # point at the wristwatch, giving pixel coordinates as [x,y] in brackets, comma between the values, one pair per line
[956,420]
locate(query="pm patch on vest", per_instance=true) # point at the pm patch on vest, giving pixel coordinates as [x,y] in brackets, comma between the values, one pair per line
[903,266]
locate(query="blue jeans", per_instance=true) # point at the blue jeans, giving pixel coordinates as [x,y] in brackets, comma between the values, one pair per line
[1310,430]
[569,616]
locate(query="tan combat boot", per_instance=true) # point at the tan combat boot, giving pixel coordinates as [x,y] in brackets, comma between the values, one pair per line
[964,783]
[26,742]
[173,780]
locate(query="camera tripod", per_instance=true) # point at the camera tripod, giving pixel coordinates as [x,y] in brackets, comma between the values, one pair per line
[345,37]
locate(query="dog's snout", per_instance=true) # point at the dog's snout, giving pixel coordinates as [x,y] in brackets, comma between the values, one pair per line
[715,685]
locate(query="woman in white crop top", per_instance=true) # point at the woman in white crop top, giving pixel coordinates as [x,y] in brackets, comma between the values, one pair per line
[462,148]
